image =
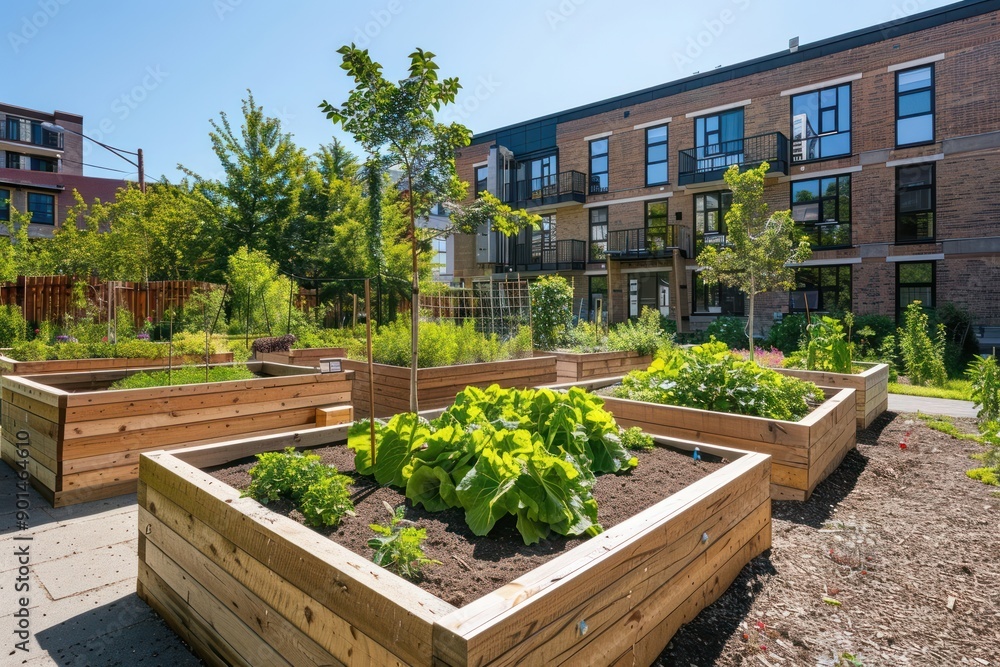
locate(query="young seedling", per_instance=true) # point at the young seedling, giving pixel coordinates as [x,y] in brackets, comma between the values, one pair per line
[398,545]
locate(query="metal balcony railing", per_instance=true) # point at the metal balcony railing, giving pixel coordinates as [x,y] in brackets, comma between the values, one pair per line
[641,242]
[564,186]
[547,255]
[704,164]
[30,132]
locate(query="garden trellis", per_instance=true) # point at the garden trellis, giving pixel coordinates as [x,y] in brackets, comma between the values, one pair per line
[498,307]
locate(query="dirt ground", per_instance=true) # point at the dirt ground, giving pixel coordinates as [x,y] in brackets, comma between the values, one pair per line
[905,547]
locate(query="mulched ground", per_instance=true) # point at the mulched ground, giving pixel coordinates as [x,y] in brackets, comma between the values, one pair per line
[894,536]
[483,564]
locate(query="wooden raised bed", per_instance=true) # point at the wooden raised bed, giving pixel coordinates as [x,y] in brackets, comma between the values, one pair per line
[10,366]
[247,586]
[437,387]
[85,445]
[573,366]
[803,452]
[871,388]
[307,357]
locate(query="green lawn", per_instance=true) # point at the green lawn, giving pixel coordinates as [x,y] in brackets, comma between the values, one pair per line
[960,390]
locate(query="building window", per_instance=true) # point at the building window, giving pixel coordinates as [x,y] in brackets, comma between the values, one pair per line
[659,234]
[710,218]
[544,177]
[598,234]
[717,299]
[439,265]
[915,106]
[42,208]
[915,281]
[42,164]
[4,204]
[543,242]
[719,140]
[599,166]
[656,155]
[12,160]
[481,175]
[823,288]
[598,298]
[915,203]
[823,207]
[821,124]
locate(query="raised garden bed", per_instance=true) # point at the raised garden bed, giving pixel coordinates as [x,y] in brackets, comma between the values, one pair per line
[803,452]
[437,387]
[305,357]
[573,366]
[10,366]
[871,387]
[245,585]
[85,441]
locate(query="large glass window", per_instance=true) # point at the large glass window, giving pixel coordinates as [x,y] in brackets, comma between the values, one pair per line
[915,202]
[710,211]
[4,204]
[598,234]
[915,281]
[42,208]
[719,140]
[599,166]
[823,207]
[717,299]
[915,106]
[12,160]
[42,164]
[658,231]
[824,288]
[821,124]
[481,175]
[599,298]
[544,176]
[656,155]
[543,240]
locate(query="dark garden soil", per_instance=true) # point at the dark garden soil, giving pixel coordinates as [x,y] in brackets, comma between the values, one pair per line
[903,544]
[483,564]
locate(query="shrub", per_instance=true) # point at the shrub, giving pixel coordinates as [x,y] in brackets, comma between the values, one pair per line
[730,330]
[985,377]
[710,377]
[643,336]
[869,335]
[273,344]
[923,357]
[788,334]
[137,349]
[551,311]
[32,350]
[12,325]
[828,349]
[962,346]
[193,343]
[183,375]
[442,344]
[587,337]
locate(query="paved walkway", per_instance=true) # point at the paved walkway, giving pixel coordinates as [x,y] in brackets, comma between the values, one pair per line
[931,406]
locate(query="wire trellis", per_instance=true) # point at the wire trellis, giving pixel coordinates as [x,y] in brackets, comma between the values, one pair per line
[498,307]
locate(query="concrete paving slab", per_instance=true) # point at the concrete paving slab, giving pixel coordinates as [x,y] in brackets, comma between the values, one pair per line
[88,570]
[73,537]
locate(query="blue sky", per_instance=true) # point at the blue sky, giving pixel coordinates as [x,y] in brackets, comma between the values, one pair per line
[151,74]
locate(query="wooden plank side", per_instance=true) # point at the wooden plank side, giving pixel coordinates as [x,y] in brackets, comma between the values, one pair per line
[44,410]
[204,584]
[34,390]
[496,622]
[374,601]
[828,459]
[204,456]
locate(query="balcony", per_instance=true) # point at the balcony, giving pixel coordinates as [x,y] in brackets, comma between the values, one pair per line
[564,187]
[706,164]
[30,133]
[641,244]
[568,255]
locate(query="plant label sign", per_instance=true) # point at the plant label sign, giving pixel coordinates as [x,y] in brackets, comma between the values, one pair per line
[329,366]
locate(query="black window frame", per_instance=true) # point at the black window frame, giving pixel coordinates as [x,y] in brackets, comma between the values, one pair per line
[591,187]
[594,255]
[10,155]
[818,227]
[663,235]
[819,285]
[34,160]
[900,308]
[590,298]
[932,113]
[478,181]
[819,134]
[728,300]
[723,208]
[666,151]
[5,197]
[34,212]
[932,210]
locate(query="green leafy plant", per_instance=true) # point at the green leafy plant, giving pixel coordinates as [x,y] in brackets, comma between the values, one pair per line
[319,491]
[643,336]
[532,453]
[587,337]
[985,377]
[923,356]
[12,325]
[183,375]
[398,545]
[711,377]
[828,348]
[551,311]
[788,334]
[634,438]
[730,330]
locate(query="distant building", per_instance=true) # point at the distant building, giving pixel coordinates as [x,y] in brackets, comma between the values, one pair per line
[884,143]
[40,166]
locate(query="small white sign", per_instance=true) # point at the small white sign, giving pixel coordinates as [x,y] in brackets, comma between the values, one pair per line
[329,366]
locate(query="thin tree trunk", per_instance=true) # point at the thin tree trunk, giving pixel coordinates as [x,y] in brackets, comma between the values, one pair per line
[414,303]
[750,323]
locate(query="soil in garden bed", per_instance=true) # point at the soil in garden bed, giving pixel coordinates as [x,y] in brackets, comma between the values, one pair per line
[472,566]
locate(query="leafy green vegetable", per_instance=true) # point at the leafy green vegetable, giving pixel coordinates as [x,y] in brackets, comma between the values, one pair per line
[318,490]
[398,547]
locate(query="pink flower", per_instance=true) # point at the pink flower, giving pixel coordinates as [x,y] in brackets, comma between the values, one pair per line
[105,339]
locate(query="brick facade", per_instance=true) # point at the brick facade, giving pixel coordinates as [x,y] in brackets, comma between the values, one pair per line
[962,44]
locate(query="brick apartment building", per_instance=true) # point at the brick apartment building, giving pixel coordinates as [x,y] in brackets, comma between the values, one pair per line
[41,166]
[884,143]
